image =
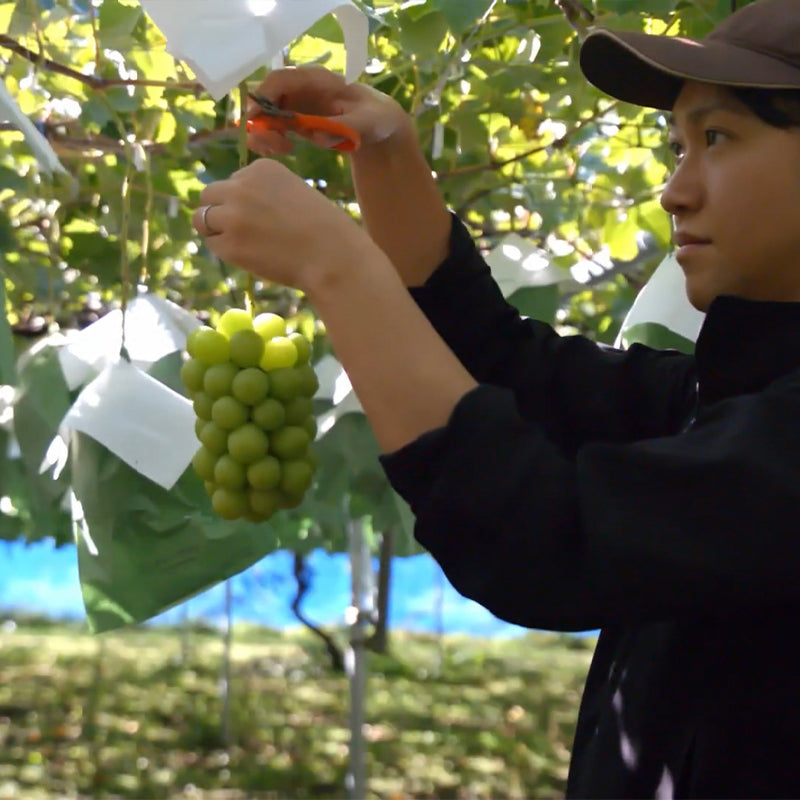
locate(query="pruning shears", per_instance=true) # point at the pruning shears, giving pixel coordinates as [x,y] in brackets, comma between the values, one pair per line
[272,118]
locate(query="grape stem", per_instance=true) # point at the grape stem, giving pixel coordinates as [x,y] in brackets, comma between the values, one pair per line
[249,294]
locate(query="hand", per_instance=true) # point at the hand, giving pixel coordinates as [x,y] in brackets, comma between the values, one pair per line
[316,90]
[268,221]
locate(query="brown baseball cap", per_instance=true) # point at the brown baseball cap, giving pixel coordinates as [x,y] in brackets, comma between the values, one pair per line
[757,46]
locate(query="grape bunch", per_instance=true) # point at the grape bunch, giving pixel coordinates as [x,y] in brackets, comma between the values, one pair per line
[251,386]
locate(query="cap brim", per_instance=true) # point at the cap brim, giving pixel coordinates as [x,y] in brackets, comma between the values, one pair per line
[649,70]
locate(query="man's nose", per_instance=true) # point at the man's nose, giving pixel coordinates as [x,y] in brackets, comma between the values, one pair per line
[684,190]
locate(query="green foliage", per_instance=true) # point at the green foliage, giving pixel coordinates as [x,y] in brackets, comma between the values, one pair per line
[121,716]
[658,336]
[146,548]
[526,146]
[7,367]
[537,302]
[38,498]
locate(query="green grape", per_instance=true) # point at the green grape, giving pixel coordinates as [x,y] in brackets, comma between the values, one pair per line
[268,325]
[284,384]
[229,473]
[250,386]
[264,503]
[192,372]
[289,442]
[307,380]
[296,476]
[302,346]
[298,409]
[208,346]
[228,413]
[248,443]
[312,458]
[234,319]
[230,504]
[265,473]
[192,338]
[214,438]
[219,379]
[247,347]
[290,500]
[309,424]
[202,405]
[269,414]
[279,352]
[204,462]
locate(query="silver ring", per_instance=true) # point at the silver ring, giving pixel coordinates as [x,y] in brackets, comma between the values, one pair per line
[209,231]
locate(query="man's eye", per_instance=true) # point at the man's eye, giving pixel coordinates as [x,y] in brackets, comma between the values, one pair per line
[712,136]
[676,148]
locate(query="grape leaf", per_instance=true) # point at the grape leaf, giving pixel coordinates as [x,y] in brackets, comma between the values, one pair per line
[7,367]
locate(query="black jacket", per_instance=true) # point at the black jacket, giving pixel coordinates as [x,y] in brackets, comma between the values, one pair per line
[653,495]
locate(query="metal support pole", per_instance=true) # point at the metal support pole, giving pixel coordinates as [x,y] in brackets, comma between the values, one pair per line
[227,732]
[359,617]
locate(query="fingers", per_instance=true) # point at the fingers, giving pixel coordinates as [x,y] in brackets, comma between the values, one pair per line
[322,139]
[309,90]
[222,202]
[208,219]
[267,143]
[203,221]
[287,88]
[313,90]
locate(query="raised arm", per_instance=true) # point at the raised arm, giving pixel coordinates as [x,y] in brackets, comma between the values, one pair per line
[702,523]
[401,205]
[402,208]
[520,469]
[578,391]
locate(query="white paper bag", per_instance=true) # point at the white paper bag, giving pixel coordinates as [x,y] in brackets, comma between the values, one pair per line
[663,301]
[139,419]
[225,41]
[154,328]
[516,263]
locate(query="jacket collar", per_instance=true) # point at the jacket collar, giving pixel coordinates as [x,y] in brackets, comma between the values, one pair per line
[744,345]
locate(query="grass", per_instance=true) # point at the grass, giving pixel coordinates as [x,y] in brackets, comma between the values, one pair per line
[138,714]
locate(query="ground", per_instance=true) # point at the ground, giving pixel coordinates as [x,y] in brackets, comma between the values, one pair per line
[140,714]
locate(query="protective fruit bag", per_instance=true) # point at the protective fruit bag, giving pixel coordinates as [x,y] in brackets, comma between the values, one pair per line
[145,545]
[142,548]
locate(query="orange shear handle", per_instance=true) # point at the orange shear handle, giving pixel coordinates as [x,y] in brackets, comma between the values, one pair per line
[306,124]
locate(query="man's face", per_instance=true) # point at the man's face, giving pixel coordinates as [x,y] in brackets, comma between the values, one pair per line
[734,197]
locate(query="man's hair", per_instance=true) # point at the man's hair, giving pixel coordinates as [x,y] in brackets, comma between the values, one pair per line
[777,107]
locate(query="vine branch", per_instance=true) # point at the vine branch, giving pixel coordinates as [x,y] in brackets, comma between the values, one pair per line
[498,164]
[85,145]
[92,81]
[578,16]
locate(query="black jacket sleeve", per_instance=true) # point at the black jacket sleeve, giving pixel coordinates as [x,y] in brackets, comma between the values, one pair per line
[704,522]
[577,391]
